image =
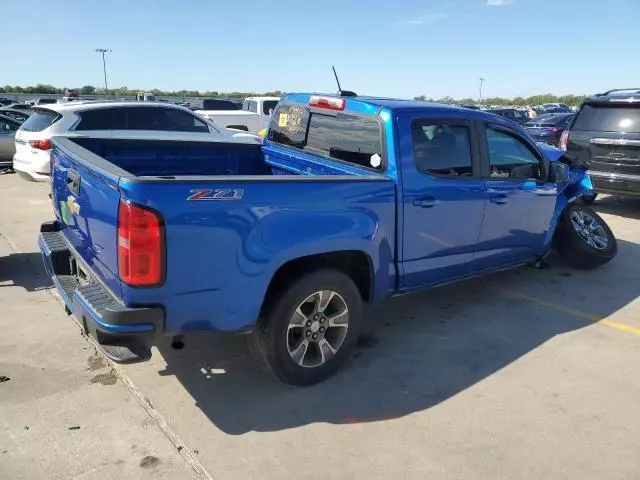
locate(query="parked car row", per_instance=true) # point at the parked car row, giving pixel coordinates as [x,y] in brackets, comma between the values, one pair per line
[549,127]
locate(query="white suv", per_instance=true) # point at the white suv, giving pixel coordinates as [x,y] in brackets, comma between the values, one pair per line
[148,120]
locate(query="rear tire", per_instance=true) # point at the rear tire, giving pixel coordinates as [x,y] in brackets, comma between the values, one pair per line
[583,238]
[301,343]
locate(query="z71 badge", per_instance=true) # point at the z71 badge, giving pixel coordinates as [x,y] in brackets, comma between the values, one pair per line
[216,194]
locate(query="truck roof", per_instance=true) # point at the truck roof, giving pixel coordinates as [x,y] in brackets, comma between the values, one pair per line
[393,104]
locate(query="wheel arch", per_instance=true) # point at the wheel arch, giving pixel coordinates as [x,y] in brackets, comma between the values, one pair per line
[356,264]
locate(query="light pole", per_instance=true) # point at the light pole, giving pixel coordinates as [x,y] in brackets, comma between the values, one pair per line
[104,67]
[481,82]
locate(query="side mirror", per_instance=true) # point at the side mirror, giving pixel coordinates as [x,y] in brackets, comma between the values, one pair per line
[558,172]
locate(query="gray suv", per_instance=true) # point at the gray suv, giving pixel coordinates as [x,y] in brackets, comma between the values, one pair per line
[605,135]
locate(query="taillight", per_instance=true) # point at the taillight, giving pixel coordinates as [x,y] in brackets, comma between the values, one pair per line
[40,144]
[564,140]
[140,245]
[552,129]
[330,103]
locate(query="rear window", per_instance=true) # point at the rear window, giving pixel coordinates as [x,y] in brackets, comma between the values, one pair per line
[350,138]
[608,119]
[40,120]
[269,106]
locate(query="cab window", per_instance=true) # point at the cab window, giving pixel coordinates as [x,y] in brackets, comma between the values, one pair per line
[442,149]
[511,157]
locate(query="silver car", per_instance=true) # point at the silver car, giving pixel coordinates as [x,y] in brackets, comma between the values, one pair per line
[8,128]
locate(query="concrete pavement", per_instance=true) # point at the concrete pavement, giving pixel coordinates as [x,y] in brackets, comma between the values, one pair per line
[64,413]
[527,374]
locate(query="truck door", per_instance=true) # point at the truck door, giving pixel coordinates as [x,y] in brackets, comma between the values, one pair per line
[520,200]
[443,199]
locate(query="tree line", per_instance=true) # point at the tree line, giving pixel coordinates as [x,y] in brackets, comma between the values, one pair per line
[570,100]
[124,91]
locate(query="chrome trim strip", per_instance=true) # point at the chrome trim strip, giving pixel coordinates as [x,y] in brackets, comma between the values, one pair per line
[614,141]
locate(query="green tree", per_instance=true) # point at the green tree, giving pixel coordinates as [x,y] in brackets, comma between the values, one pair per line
[87,90]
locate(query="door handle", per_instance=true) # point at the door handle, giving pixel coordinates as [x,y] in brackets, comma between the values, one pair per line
[499,198]
[426,202]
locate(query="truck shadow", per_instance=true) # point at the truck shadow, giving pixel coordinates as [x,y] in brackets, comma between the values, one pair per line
[418,350]
[24,270]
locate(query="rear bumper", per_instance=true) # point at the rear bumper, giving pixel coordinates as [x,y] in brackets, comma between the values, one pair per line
[615,184]
[95,308]
[32,167]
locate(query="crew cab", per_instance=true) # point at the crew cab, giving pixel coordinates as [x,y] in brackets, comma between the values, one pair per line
[253,117]
[348,200]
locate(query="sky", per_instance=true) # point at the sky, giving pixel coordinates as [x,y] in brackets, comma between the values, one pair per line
[400,48]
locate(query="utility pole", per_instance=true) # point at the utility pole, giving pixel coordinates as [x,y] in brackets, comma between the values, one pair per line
[104,67]
[481,82]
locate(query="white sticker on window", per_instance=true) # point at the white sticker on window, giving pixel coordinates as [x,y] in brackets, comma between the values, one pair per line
[376,160]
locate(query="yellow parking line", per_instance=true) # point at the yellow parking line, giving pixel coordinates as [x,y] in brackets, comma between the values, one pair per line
[578,313]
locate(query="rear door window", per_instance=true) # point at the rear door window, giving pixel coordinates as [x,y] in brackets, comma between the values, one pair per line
[184,122]
[147,118]
[607,118]
[442,149]
[99,119]
[40,120]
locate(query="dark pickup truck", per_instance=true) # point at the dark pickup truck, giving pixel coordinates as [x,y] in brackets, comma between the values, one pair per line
[349,200]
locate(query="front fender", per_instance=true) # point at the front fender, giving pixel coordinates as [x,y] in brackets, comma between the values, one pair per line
[578,185]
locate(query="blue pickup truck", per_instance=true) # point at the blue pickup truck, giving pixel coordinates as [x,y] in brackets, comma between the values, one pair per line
[349,200]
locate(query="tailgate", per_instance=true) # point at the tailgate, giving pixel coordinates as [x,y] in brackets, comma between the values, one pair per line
[606,152]
[86,201]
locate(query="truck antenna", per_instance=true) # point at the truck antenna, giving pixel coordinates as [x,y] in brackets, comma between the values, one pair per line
[342,93]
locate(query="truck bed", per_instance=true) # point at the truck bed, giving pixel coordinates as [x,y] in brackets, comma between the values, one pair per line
[231,216]
[178,158]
